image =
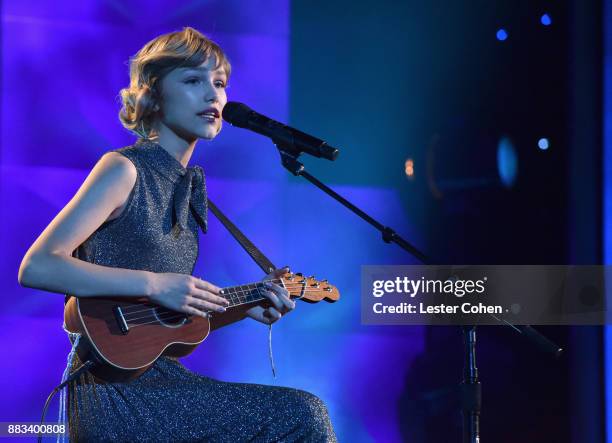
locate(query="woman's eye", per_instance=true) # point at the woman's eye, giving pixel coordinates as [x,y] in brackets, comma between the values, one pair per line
[193,81]
[220,84]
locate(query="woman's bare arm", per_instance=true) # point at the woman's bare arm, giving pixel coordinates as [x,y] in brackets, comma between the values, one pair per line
[48,264]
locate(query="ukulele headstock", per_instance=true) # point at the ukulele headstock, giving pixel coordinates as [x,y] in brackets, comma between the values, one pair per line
[309,289]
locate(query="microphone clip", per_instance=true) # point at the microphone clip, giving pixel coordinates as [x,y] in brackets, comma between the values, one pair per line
[290,160]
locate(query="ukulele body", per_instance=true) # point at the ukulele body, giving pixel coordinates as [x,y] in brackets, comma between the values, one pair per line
[125,338]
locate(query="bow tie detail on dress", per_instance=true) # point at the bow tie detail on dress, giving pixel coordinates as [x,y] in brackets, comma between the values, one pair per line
[190,192]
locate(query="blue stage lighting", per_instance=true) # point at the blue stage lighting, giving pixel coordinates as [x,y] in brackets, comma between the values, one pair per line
[546,20]
[502,35]
[543,144]
[507,162]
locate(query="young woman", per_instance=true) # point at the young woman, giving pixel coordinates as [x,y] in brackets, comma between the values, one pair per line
[131,231]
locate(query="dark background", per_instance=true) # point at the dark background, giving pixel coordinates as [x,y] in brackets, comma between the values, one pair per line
[449,91]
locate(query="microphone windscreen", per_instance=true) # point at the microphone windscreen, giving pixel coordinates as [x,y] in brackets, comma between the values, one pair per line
[236,114]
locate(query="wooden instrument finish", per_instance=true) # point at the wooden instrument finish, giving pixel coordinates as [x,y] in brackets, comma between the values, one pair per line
[125,336]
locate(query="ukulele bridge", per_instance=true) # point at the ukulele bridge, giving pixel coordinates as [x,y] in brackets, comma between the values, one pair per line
[123,326]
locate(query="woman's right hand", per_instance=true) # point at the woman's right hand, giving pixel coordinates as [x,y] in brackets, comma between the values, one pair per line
[186,293]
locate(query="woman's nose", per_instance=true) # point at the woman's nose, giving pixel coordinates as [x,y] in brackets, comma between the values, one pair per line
[212,95]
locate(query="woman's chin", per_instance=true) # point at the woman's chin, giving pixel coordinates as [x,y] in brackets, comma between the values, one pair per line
[191,133]
[207,136]
[208,133]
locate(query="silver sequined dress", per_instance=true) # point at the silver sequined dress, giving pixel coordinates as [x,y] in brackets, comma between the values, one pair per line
[158,232]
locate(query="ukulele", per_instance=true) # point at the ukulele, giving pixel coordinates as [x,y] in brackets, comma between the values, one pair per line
[125,336]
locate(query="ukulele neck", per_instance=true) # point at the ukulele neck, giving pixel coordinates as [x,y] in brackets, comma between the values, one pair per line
[242,294]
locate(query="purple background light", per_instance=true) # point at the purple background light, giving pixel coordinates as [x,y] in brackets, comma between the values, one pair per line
[63,64]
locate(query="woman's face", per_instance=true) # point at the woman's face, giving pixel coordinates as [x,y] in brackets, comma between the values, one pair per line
[192,100]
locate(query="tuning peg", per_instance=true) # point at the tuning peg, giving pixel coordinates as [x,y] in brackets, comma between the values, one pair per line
[312,277]
[328,289]
[299,274]
[324,281]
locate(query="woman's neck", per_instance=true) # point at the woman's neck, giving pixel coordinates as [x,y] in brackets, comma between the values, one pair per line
[178,147]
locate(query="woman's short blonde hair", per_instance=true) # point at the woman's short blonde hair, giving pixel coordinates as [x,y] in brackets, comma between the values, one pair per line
[187,48]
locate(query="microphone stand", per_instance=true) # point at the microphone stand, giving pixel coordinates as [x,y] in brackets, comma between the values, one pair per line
[291,163]
[470,388]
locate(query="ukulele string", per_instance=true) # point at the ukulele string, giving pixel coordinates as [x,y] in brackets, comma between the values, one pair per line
[232,298]
[166,316]
[174,314]
[291,285]
[231,287]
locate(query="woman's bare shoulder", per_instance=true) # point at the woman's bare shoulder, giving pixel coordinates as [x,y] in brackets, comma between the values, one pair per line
[114,163]
[103,192]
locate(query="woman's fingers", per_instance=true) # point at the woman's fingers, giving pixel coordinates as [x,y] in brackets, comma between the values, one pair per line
[209,297]
[282,294]
[206,286]
[208,292]
[270,295]
[203,305]
[277,273]
[193,311]
[264,315]
[272,315]
[279,297]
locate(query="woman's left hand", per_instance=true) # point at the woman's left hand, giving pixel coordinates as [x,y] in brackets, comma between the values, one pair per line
[279,298]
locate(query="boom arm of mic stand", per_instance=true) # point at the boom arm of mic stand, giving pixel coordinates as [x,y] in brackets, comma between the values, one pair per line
[289,159]
[291,163]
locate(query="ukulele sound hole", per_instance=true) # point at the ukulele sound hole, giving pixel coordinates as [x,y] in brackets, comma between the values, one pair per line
[171,319]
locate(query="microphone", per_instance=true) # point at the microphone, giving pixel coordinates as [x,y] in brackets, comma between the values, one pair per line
[240,115]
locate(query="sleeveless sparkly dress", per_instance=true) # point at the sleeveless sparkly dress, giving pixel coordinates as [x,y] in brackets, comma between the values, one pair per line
[158,232]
